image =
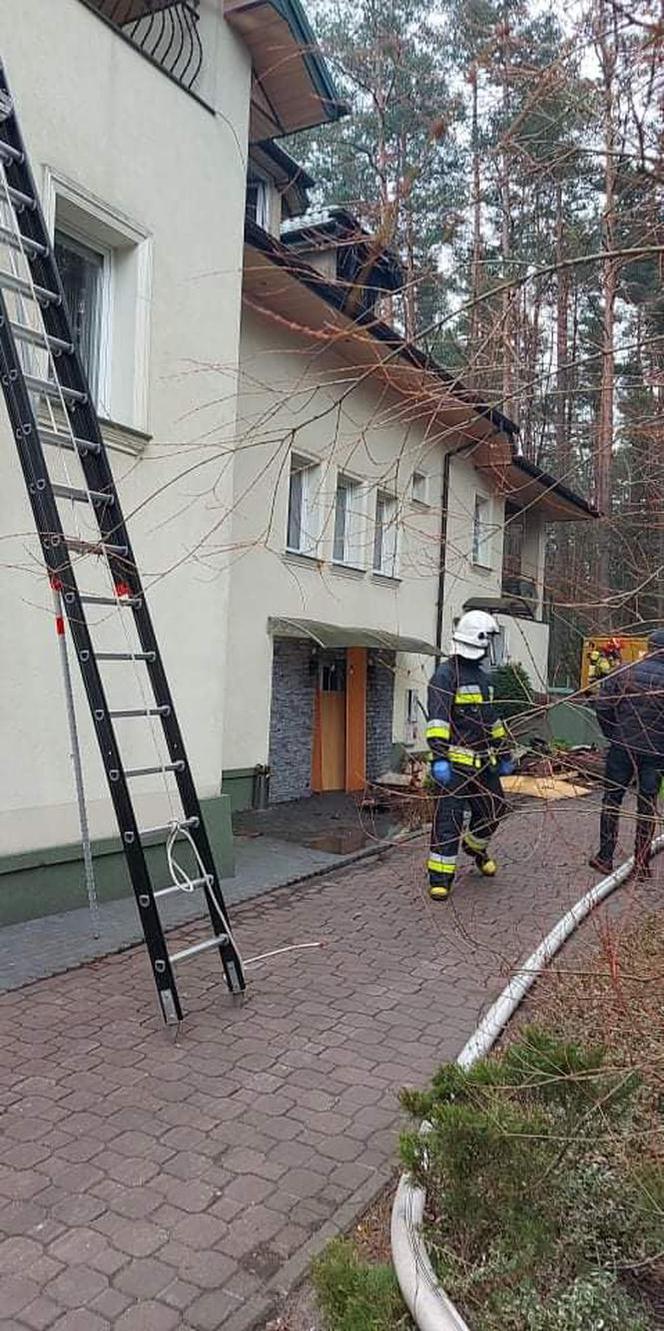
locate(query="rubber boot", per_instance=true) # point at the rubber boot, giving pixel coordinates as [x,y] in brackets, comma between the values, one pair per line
[483,861]
[441,888]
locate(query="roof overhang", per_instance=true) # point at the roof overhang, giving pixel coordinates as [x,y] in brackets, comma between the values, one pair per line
[292,86]
[525,484]
[281,287]
[329,637]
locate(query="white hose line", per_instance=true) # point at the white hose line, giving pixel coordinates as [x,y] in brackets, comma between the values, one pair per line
[427,1302]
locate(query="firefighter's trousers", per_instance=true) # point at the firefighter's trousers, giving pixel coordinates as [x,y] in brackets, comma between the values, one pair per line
[482,793]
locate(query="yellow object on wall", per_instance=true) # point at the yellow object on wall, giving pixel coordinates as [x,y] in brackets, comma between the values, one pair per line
[632,650]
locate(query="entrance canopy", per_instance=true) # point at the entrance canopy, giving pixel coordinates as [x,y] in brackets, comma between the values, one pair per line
[328,636]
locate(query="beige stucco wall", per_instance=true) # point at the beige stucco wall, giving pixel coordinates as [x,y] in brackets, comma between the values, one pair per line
[94,111]
[296,397]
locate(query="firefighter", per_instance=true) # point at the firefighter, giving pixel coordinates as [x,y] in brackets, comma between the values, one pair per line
[599,665]
[469,754]
[630,711]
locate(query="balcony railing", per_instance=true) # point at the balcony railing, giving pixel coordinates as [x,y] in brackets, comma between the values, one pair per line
[166,31]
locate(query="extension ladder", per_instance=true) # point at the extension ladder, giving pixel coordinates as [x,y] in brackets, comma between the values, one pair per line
[51,411]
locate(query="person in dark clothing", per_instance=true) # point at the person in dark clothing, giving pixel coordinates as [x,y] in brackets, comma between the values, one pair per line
[469,754]
[630,711]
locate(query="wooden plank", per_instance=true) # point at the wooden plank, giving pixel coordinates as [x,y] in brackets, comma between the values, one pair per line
[356,718]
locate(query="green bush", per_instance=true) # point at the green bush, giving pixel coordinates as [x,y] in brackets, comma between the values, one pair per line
[536,1195]
[354,1296]
[512,690]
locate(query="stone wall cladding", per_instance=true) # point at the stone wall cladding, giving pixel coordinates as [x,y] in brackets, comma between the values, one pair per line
[291,720]
[380,704]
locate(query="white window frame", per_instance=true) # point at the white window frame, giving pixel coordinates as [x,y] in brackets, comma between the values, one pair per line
[422,500]
[386,565]
[352,555]
[482,531]
[263,211]
[79,213]
[308,522]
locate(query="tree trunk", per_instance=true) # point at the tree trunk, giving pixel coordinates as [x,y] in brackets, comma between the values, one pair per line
[607,52]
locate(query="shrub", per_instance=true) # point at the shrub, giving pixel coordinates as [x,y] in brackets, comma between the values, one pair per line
[512,690]
[536,1196]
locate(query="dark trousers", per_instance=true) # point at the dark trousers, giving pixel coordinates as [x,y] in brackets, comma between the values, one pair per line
[623,767]
[482,793]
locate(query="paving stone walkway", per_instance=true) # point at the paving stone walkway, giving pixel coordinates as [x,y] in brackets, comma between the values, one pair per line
[151,1180]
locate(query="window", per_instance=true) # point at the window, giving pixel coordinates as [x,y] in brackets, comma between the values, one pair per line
[82,271]
[105,260]
[347,522]
[482,532]
[257,207]
[515,530]
[385,535]
[420,488]
[300,534]
[412,714]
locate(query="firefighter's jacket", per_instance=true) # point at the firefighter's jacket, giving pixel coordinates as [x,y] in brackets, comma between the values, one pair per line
[599,665]
[463,726]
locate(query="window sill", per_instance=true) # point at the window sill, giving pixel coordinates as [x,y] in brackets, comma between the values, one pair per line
[347,570]
[123,438]
[301,557]
[385,579]
[480,568]
[422,505]
[118,438]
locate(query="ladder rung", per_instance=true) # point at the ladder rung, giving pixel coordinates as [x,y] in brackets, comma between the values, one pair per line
[39,339]
[17,241]
[168,827]
[198,947]
[50,388]
[143,711]
[29,289]
[125,656]
[190,886]
[9,153]
[153,771]
[94,547]
[110,600]
[96,497]
[75,445]
[19,199]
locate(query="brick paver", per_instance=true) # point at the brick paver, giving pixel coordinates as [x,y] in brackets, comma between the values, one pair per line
[152,1180]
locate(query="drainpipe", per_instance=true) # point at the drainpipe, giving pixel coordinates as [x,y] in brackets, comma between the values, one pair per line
[444,518]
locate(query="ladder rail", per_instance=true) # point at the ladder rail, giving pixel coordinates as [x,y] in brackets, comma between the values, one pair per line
[84,424]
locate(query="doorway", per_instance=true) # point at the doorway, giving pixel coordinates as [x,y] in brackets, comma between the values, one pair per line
[339,747]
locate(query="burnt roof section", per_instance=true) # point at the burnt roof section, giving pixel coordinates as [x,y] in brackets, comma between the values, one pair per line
[334,294]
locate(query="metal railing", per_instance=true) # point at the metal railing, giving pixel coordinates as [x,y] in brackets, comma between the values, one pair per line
[166,31]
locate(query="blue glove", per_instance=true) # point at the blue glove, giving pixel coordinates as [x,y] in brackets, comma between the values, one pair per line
[441,772]
[506,767]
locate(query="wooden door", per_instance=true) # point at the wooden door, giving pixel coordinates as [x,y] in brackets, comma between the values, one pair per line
[329,754]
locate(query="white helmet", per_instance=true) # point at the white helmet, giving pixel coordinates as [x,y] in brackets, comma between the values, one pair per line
[473,634]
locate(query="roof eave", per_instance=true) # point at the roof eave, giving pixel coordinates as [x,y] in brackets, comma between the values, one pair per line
[334,295]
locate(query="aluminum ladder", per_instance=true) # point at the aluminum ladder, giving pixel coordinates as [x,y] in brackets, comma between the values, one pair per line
[34,322]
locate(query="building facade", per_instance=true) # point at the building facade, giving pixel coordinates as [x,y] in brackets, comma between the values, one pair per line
[281,456]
